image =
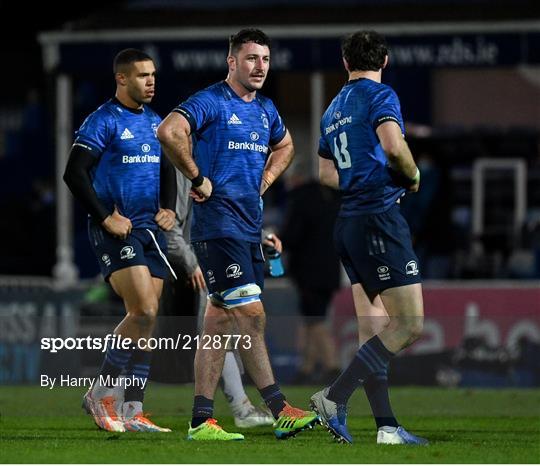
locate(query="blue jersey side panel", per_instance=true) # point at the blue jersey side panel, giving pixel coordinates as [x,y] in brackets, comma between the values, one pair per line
[231,140]
[348,137]
[127,174]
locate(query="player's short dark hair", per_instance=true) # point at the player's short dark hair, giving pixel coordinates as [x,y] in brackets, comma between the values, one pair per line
[247,35]
[364,51]
[128,56]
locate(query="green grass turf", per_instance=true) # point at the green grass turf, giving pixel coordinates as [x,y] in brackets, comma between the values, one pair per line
[38,425]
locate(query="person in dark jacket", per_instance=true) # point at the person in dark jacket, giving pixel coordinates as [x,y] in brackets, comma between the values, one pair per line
[314,266]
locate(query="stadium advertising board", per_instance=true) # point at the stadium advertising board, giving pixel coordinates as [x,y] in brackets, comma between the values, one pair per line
[293,54]
[500,316]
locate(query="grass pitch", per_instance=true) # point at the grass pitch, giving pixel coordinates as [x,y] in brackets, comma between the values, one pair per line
[38,425]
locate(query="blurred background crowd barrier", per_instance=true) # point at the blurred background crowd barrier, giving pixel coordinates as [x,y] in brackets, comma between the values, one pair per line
[482,334]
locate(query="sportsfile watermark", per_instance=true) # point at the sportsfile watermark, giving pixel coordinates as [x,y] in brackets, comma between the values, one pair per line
[180,342]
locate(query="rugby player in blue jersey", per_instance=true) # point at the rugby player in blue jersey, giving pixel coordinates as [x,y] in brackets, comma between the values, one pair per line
[240,147]
[185,264]
[363,153]
[116,171]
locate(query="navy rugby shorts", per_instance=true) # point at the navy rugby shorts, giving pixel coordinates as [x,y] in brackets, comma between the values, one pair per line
[142,247]
[228,263]
[376,250]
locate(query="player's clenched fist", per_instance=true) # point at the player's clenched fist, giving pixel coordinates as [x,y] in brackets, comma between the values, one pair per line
[203,191]
[117,225]
[165,219]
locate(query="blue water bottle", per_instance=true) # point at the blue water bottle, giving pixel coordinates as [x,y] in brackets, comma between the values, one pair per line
[274,260]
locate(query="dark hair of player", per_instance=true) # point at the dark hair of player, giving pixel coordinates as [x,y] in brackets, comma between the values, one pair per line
[364,51]
[126,57]
[247,35]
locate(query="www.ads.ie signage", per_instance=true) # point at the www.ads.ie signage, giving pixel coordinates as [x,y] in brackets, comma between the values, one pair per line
[432,51]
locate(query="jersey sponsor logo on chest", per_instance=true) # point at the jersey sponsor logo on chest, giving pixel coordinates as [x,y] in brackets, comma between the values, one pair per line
[246,145]
[147,158]
[254,136]
[252,146]
[144,158]
[341,122]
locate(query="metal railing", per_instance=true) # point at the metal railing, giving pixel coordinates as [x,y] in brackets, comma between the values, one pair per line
[518,171]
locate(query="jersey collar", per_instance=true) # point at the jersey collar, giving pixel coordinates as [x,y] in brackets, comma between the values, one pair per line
[354,81]
[137,111]
[229,90]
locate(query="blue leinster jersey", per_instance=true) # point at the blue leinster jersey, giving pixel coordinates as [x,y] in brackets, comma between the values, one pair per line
[127,174]
[231,140]
[349,138]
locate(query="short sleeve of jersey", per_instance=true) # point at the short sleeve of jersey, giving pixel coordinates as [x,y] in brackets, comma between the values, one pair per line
[324,150]
[95,133]
[277,128]
[385,107]
[198,110]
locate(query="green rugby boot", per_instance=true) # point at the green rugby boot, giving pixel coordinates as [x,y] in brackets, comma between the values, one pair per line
[293,420]
[210,430]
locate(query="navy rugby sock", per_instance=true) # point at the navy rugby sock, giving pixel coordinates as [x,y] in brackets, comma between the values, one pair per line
[115,361]
[376,388]
[203,409]
[137,373]
[273,398]
[372,357]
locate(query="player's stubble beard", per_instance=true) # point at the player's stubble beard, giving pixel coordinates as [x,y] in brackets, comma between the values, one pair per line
[139,98]
[248,87]
[244,84]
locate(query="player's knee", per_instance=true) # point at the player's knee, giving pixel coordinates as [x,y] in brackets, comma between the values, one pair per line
[415,327]
[145,313]
[148,318]
[237,297]
[369,326]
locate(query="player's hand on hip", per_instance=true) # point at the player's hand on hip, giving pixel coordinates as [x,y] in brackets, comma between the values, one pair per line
[410,184]
[197,280]
[203,192]
[165,218]
[117,225]
[415,187]
[274,241]
[265,184]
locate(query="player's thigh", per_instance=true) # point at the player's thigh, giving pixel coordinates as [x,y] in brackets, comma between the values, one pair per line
[404,301]
[250,318]
[158,286]
[136,287]
[370,312]
[216,320]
